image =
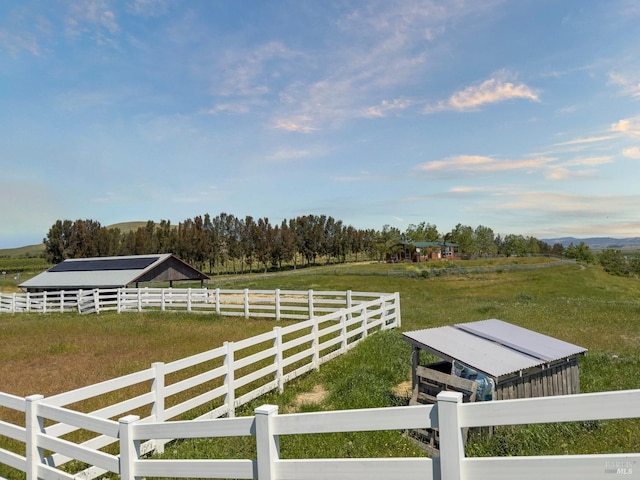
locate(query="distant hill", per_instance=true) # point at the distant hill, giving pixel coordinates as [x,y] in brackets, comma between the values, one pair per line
[126,227]
[597,243]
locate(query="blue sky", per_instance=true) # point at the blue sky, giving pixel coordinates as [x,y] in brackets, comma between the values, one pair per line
[523,116]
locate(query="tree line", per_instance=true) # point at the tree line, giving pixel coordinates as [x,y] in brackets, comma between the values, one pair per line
[226,243]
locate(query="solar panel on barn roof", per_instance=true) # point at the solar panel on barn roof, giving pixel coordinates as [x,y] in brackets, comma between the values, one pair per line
[92,265]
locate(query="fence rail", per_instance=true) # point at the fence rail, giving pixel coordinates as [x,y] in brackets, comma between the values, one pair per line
[278,304]
[80,424]
[449,415]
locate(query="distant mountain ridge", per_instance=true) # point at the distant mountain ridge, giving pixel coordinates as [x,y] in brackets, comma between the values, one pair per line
[597,242]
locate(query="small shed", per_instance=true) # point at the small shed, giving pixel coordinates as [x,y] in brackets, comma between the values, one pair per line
[113,272]
[507,361]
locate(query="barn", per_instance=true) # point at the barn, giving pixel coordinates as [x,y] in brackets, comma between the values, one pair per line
[113,272]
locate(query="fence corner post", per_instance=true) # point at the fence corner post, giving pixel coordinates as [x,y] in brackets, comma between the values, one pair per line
[129,448]
[451,446]
[397,310]
[267,444]
[34,425]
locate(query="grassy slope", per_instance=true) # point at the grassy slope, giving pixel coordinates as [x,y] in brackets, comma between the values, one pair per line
[580,305]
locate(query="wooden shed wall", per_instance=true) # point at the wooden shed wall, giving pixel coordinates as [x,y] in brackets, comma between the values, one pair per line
[559,379]
[171,270]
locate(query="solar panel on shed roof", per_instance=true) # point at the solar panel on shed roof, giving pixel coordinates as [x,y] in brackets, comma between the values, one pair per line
[91,265]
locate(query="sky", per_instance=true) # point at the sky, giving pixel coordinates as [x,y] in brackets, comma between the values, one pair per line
[522,116]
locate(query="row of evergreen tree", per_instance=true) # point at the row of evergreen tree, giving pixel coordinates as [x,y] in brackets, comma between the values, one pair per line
[228,243]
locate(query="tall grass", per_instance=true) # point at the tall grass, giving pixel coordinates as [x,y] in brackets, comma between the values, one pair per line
[585,306]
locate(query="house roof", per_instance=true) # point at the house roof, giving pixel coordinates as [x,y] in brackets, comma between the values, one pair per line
[113,272]
[429,244]
[493,347]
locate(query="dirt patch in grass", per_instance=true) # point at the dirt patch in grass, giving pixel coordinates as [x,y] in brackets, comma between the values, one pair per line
[316,396]
[403,390]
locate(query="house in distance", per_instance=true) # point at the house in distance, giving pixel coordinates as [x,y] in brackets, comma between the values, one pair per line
[113,272]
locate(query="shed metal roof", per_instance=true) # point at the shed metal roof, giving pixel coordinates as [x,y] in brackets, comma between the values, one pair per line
[493,347]
[100,272]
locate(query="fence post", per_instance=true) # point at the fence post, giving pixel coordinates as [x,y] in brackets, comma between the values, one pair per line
[96,300]
[267,444]
[28,302]
[129,448]
[34,425]
[162,299]
[277,304]
[349,302]
[139,299]
[44,302]
[315,345]
[365,321]
[451,446]
[279,369]
[397,310]
[229,380]
[343,333]
[62,300]
[311,312]
[189,299]
[13,303]
[218,301]
[246,303]
[78,297]
[157,410]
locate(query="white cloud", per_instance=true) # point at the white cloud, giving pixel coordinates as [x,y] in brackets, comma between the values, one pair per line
[92,17]
[385,107]
[629,86]
[493,90]
[628,126]
[482,164]
[632,152]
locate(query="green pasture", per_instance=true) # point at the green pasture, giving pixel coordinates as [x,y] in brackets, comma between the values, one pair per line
[581,305]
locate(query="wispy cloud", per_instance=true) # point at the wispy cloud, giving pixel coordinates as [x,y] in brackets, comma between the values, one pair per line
[585,140]
[632,152]
[287,155]
[385,107]
[387,50]
[493,90]
[94,18]
[629,85]
[549,167]
[628,126]
[482,164]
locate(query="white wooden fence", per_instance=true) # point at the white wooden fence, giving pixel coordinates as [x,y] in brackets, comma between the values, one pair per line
[450,415]
[78,425]
[278,304]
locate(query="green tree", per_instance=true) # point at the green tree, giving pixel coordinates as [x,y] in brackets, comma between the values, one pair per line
[581,253]
[423,232]
[463,236]
[614,262]
[484,241]
[57,242]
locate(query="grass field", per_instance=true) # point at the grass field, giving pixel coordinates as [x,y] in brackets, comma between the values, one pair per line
[582,305]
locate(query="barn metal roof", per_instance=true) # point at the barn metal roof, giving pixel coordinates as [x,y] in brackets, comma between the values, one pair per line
[493,347]
[99,272]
